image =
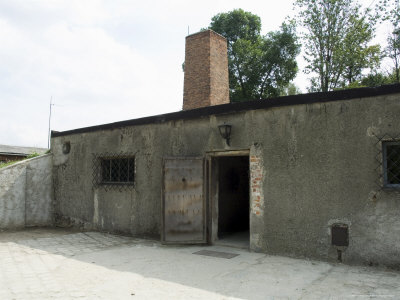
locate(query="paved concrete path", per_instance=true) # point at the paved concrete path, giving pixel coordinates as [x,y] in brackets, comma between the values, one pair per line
[58,264]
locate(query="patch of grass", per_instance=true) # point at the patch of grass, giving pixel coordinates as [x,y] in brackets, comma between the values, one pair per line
[32,155]
[5,164]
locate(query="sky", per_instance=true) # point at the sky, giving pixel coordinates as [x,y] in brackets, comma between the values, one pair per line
[101,61]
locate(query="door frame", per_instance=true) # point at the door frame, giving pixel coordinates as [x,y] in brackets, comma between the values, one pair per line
[211,189]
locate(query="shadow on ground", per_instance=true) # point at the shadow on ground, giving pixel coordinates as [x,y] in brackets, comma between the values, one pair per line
[51,263]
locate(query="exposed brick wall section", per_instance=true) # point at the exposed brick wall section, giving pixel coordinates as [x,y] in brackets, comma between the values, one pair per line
[206,70]
[256,178]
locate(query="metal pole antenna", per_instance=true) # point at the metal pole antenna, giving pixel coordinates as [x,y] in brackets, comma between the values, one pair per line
[48,136]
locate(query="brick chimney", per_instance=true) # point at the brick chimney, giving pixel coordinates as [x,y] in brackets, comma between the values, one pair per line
[206,70]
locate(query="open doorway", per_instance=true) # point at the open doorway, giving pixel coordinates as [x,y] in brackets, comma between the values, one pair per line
[233,201]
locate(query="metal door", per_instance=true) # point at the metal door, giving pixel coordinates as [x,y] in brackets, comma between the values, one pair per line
[183,203]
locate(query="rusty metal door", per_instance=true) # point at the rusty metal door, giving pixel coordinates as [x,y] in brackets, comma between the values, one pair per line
[183,201]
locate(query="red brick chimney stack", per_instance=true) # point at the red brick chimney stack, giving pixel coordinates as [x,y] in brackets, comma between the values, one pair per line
[206,70]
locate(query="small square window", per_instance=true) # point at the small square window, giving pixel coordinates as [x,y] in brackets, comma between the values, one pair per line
[391,164]
[117,170]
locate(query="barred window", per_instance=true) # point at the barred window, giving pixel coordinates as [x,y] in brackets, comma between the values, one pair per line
[117,170]
[391,164]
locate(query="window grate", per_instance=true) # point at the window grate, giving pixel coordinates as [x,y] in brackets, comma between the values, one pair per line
[113,171]
[388,162]
[391,161]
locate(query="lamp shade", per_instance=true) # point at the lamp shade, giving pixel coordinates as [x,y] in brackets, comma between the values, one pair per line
[225,130]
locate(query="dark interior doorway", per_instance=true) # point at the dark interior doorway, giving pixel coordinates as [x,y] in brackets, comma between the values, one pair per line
[233,200]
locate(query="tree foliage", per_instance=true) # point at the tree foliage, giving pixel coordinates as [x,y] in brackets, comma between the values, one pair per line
[337,35]
[259,66]
[377,79]
[374,79]
[393,51]
[391,12]
[290,90]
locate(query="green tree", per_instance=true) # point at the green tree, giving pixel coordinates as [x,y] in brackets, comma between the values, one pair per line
[391,11]
[290,90]
[393,52]
[373,79]
[259,66]
[357,54]
[377,79]
[337,35]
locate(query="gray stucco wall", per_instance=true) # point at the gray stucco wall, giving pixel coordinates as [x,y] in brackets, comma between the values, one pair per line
[318,166]
[26,193]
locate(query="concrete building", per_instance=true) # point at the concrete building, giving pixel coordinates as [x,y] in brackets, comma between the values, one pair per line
[11,153]
[314,175]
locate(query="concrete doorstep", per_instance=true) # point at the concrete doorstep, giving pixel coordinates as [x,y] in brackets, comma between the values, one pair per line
[60,264]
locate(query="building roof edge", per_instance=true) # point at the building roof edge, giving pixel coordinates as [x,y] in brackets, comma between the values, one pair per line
[309,98]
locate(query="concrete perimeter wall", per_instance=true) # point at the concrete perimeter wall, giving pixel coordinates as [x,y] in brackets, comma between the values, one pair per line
[26,193]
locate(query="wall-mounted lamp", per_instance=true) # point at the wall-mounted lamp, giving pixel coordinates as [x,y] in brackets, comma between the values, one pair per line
[225,132]
[66,147]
